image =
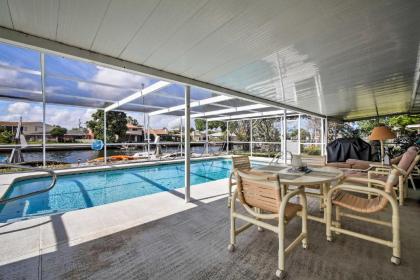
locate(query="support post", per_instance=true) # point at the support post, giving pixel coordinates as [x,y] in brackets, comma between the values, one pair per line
[326,138]
[284,138]
[322,137]
[207,137]
[145,130]
[251,142]
[299,140]
[105,156]
[187,144]
[227,137]
[180,133]
[148,136]
[44,130]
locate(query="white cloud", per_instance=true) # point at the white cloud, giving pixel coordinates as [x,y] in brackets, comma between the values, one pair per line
[28,112]
[114,77]
[19,108]
[14,79]
[69,117]
[55,115]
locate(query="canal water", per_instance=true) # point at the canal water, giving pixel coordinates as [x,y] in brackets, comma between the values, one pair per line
[74,156]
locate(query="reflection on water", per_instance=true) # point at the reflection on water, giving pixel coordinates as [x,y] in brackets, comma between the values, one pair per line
[74,156]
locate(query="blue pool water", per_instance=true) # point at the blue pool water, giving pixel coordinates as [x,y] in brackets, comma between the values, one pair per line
[96,188]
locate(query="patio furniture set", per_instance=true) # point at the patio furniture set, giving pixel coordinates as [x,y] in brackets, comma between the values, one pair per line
[266,194]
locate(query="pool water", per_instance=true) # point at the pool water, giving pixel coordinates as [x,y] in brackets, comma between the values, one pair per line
[96,188]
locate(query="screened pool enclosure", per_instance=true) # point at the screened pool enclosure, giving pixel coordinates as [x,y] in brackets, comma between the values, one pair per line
[44,90]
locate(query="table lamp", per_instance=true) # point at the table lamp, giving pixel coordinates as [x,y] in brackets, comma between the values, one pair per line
[381,133]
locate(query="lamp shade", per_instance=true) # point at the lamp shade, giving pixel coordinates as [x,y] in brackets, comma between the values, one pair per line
[381,133]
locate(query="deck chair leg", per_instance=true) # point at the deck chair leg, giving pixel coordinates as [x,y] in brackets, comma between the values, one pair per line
[412,182]
[232,243]
[321,206]
[338,218]
[396,242]
[321,199]
[304,218]
[328,225]
[401,190]
[229,199]
[260,229]
[281,273]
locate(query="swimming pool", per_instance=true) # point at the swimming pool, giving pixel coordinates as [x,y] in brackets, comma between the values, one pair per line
[91,189]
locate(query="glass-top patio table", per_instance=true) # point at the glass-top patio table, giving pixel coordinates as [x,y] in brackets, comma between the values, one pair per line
[321,178]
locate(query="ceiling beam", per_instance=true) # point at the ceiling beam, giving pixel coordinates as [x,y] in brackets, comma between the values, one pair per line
[231,110]
[247,116]
[150,89]
[41,44]
[192,105]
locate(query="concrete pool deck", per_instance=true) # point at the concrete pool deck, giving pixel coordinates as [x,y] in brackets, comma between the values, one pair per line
[34,237]
[160,237]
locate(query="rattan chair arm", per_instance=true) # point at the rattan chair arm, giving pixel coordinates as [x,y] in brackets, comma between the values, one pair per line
[402,171]
[378,172]
[364,180]
[353,169]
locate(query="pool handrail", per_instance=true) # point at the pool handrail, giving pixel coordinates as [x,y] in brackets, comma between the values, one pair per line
[49,171]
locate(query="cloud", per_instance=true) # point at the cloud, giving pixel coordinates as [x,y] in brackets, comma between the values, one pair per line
[55,115]
[28,112]
[15,79]
[114,77]
[19,108]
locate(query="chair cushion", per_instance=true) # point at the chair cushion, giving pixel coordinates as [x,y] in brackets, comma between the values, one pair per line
[407,158]
[357,203]
[291,210]
[396,160]
[348,174]
[358,164]
[339,164]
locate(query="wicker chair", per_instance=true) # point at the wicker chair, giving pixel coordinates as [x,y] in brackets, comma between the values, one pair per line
[352,197]
[260,195]
[238,163]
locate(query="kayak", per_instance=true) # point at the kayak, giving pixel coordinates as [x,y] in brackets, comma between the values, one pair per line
[114,158]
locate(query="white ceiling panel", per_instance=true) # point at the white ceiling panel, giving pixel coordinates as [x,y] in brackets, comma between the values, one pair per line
[122,20]
[166,19]
[207,20]
[39,17]
[79,21]
[5,19]
[238,29]
[341,58]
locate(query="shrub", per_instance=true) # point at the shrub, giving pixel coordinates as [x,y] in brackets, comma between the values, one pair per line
[313,150]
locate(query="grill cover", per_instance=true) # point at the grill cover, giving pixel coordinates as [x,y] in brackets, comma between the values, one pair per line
[342,149]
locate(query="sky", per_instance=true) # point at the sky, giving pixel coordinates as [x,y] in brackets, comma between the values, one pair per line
[64,83]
